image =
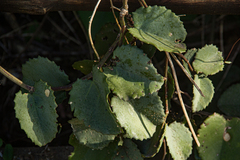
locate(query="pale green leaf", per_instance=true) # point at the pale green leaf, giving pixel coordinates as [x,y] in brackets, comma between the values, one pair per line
[134,76]
[229,102]
[136,124]
[128,151]
[37,113]
[89,101]
[208,60]
[89,137]
[82,152]
[160,27]
[219,138]
[199,102]
[179,141]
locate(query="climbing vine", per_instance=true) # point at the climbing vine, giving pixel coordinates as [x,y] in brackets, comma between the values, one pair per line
[121,106]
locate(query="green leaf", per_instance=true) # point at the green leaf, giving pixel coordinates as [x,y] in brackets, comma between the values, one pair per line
[150,147]
[1,142]
[46,70]
[199,102]
[85,66]
[106,37]
[219,138]
[128,151]
[208,60]
[229,101]
[133,76]
[8,152]
[179,141]
[89,101]
[37,113]
[160,27]
[89,137]
[136,124]
[82,152]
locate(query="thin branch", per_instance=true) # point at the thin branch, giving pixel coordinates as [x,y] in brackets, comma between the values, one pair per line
[186,73]
[181,100]
[16,80]
[90,28]
[185,59]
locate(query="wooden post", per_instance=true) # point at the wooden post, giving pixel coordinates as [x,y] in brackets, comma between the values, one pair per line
[178,6]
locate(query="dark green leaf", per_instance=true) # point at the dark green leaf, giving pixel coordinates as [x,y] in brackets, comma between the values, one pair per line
[160,27]
[42,68]
[128,151]
[229,102]
[85,66]
[89,137]
[37,113]
[8,152]
[82,152]
[89,101]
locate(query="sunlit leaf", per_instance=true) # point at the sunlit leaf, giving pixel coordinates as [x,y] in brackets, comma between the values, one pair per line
[229,102]
[208,60]
[199,102]
[89,101]
[37,113]
[134,76]
[136,124]
[160,27]
[89,137]
[179,141]
[219,138]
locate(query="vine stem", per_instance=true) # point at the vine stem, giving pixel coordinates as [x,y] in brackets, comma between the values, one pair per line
[186,73]
[181,100]
[90,28]
[16,80]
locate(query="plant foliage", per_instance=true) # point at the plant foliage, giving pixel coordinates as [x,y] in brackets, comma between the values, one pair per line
[122,112]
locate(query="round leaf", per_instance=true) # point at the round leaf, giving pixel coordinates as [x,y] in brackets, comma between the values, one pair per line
[229,102]
[160,27]
[208,60]
[199,102]
[85,66]
[37,113]
[219,138]
[179,141]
